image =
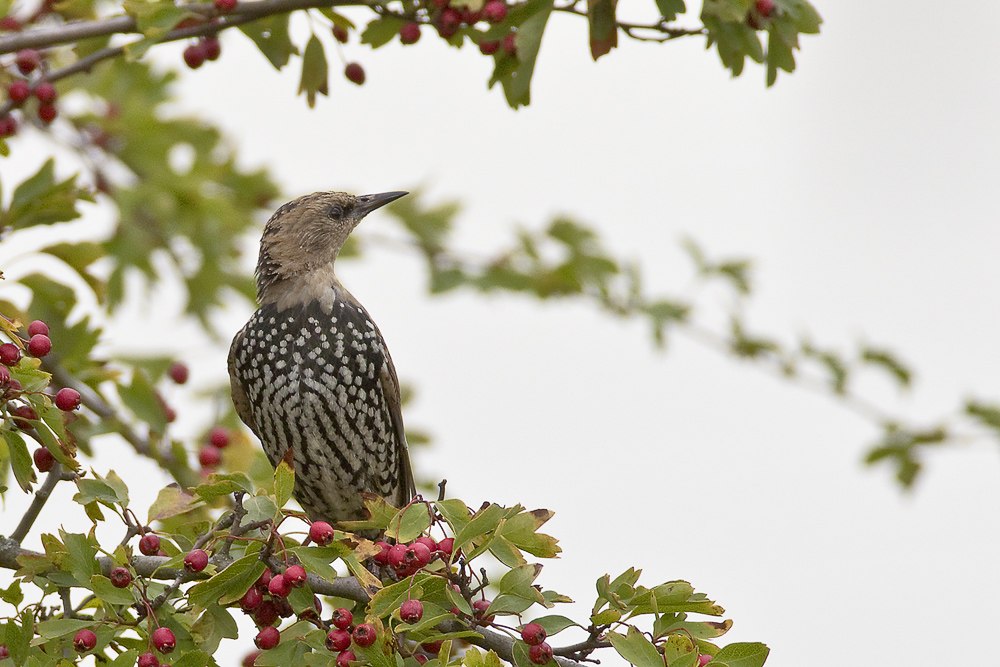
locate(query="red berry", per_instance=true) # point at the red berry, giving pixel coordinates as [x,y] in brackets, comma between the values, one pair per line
[210,456]
[148,660]
[120,577]
[45,92]
[381,558]
[509,44]
[196,560]
[178,372]
[489,48]
[447,546]
[10,354]
[338,640]
[8,126]
[40,344]
[149,544]
[267,638]
[84,640]
[342,618]
[441,3]
[4,652]
[67,399]
[420,658]
[164,640]
[219,436]
[38,327]
[340,34]
[470,17]
[428,542]
[17,92]
[10,24]
[540,654]
[478,608]
[23,415]
[355,73]
[346,658]
[533,634]
[225,5]
[449,22]
[47,112]
[279,587]
[764,7]
[27,60]
[194,55]
[263,580]
[432,647]
[295,576]
[364,635]
[495,11]
[5,383]
[43,459]
[411,611]
[251,599]
[250,659]
[418,555]
[409,33]
[212,46]
[267,613]
[397,557]
[284,607]
[321,533]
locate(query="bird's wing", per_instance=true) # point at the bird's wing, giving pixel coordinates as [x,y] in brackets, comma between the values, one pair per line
[390,389]
[240,398]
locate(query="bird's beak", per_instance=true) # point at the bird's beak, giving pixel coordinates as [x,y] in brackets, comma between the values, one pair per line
[368,203]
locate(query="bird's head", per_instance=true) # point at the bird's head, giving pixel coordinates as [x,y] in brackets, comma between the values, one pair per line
[305,235]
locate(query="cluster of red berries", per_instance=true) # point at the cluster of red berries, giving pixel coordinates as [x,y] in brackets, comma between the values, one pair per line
[344,634]
[206,47]
[406,559]
[211,454]
[266,601]
[448,20]
[539,651]
[162,639]
[24,86]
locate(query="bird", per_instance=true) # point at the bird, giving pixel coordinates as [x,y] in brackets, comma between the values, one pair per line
[310,373]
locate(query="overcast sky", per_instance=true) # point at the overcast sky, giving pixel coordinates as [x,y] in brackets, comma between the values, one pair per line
[864,187]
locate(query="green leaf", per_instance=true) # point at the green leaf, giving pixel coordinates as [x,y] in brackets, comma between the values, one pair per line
[381,31]
[141,398]
[20,459]
[82,556]
[410,523]
[603,27]
[988,414]
[676,647]
[485,521]
[521,531]
[742,654]
[455,512]
[154,19]
[171,501]
[40,200]
[315,72]
[260,508]
[224,484]
[105,590]
[61,627]
[636,648]
[284,483]
[530,19]
[12,595]
[554,623]
[230,584]
[889,362]
[271,37]
[669,9]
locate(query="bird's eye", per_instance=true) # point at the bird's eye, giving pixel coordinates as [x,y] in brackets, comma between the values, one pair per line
[335,212]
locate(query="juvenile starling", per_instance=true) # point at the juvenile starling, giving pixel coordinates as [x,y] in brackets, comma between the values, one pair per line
[310,373]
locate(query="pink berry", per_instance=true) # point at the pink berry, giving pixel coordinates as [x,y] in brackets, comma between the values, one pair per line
[342,618]
[67,399]
[194,55]
[10,24]
[540,654]
[148,660]
[340,34]
[27,60]
[509,44]
[219,436]
[346,658]
[84,640]
[449,22]
[355,73]
[447,546]
[8,126]
[364,635]
[149,544]
[338,640]
[397,557]
[411,611]
[266,614]
[209,456]
[10,354]
[279,587]
[495,11]
[43,459]
[38,327]
[196,560]
[533,634]
[764,7]
[250,659]
[381,558]
[4,652]
[47,113]
[225,5]
[704,659]
[428,542]
[251,599]
[23,416]
[263,580]
[17,92]
[478,608]
[267,638]
[120,577]
[164,640]
[39,345]
[45,92]
[321,533]
[418,555]
[178,372]
[409,33]
[295,576]
[433,647]
[212,46]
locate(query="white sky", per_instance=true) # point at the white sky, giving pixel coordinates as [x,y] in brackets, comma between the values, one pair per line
[864,187]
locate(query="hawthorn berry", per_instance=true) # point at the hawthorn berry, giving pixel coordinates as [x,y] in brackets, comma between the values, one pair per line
[8,126]
[381,558]
[5,383]
[120,577]
[251,599]
[420,658]
[17,92]
[364,635]
[148,660]
[212,46]
[196,560]
[225,5]
[338,640]
[219,436]
[149,544]
[447,546]
[449,22]
[40,344]
[284,607]
[411,611]
[428,542]
[508,43]
[321,533]
[43,459]
[279,586]
[340,34]
[263,580]
[433,647]
[495,11]
[266,614]
[267,638]
[38,327]
[409,33]
[4,652]
[27,60]
[250,659]
[764,8]
[704,659]
[10,24]
[540,654]
[45,92]
[470,17]
[164,640]
[342,618]
[67,399]
[397,557]
[295,576]
[178,372]
[22,414]
[47,112]
[418,555]
[10,354]
[346,658]
[84,640]
[533,634]
[355,73]
[209,456]
[194,55]
[479,607]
